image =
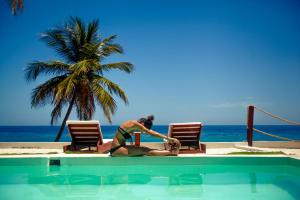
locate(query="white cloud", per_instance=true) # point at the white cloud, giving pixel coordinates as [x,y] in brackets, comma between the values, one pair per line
[239,104]
[230,105]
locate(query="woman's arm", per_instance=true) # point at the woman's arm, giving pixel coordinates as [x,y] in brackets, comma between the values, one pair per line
[153,133]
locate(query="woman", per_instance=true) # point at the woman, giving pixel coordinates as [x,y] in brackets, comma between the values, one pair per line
[143,125]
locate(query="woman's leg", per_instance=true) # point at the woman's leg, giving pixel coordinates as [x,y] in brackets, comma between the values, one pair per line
[169,152]
[122,151]
[161,153]
[141,151]
[131,150]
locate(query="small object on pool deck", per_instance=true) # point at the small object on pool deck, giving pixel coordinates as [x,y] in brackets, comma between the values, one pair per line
[137,141]
[86,134]
[55,162]
[188,135]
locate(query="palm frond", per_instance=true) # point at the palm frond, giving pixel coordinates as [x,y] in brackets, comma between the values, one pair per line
[109,39]
[111,87]
[105,100]
[44,93]
[58,39]
[56,112]
[73,40]
[66,88]
[34,69]
[112,49]
[84,66]
[123,66]
[89,51]
[80,27]
[107,47]
[91,35]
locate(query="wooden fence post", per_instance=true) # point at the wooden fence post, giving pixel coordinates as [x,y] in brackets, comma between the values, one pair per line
[250,125]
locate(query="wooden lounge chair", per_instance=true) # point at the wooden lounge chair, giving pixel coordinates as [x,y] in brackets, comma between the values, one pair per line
[189,136]
[86,134]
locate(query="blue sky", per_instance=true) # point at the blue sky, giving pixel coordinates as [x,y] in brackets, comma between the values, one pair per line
[194,60]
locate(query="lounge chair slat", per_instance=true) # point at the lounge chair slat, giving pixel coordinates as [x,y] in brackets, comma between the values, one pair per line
[185,133]
[90,136]
[83,125]
[86,141]
[87,144]
[185,125]
[183,137]
[197,129]
[92,140]
[83,128]
[188,140]
[85,133]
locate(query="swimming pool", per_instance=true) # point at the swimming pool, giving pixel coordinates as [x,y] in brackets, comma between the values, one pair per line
[207,178]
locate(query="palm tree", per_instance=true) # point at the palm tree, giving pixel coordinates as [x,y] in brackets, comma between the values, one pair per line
[78,81]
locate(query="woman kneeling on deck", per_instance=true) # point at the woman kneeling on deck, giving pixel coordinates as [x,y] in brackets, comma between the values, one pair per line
[143,125]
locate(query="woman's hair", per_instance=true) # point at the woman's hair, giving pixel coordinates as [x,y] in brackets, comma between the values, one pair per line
[148,121]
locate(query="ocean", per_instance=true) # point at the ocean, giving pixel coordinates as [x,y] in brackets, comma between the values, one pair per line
[210,133]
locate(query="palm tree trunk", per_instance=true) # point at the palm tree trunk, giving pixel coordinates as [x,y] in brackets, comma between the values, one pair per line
[62,127]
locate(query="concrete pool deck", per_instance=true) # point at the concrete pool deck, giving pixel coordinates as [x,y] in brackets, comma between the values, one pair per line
[55,149]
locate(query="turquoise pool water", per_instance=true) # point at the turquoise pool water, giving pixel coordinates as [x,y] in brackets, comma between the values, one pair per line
[151,178]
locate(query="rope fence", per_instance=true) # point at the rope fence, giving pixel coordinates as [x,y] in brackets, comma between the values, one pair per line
[277,117]
[275,136]
[250,127]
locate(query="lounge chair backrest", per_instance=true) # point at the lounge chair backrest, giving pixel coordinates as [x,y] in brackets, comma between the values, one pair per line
[187,133]
[85,132]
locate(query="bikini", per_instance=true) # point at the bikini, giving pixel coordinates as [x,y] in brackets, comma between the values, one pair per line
[125,135]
